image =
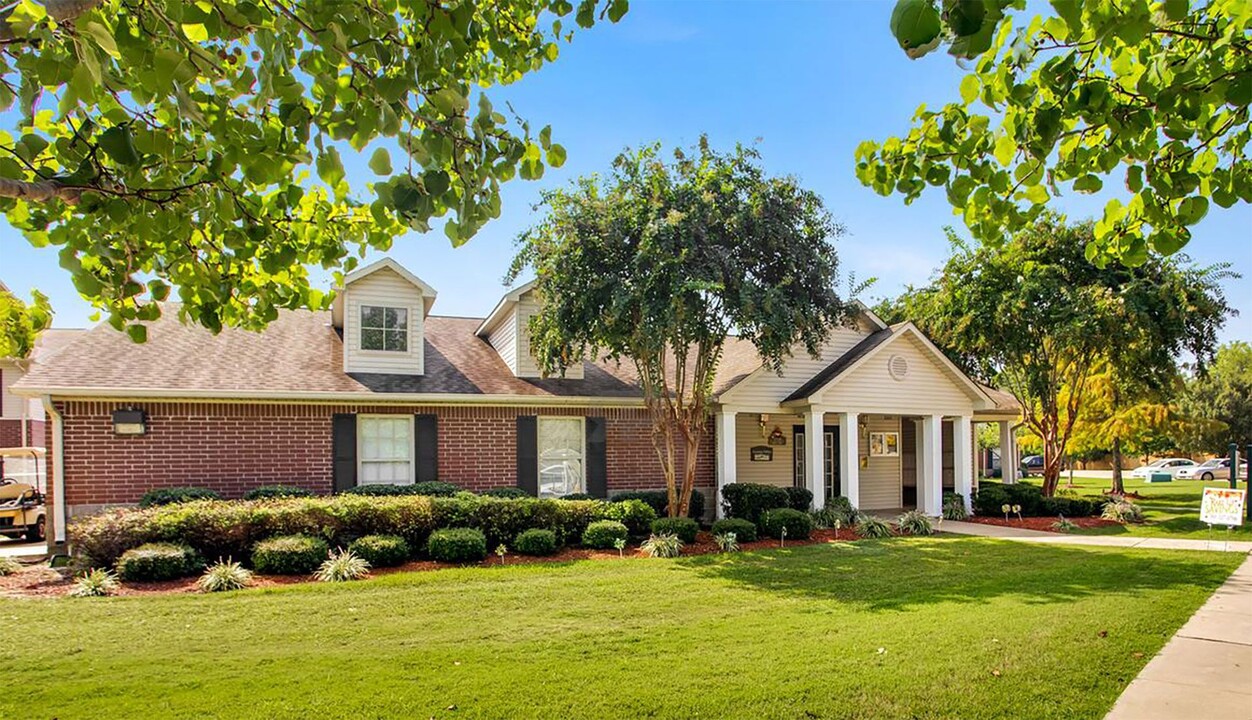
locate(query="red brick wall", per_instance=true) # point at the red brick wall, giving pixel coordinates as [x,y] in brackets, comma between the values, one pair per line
[232,448]
[11,432]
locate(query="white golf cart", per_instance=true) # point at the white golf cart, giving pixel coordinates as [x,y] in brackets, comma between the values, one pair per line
[22,512]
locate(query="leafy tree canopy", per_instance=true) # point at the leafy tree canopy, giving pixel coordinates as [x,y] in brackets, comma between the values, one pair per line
[1152,96]
[21,323]
[658,261]
[1033,316]
[1223,395]
[197,144]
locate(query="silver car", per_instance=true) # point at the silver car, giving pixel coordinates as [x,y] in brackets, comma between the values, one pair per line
[1215,469]
[1164,466]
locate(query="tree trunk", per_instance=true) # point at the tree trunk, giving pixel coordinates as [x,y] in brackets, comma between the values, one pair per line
[1118,487]
[690,459]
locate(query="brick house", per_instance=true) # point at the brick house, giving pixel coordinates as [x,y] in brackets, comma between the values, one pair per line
[379,390]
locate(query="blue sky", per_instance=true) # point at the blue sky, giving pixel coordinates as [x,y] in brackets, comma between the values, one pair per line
[806,81]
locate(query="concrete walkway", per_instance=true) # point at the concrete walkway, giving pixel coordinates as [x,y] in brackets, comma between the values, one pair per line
[22,549]
[1203,671]
[1007,533]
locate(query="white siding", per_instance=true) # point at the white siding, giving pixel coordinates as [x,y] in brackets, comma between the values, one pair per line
[384,287]
[11,405]
[927,389]
[880,477]
[767,389]
[748,433]
[504,339]
[527,366]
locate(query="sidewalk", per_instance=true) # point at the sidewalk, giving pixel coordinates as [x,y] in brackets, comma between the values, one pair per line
[1203,671]
[1007,533]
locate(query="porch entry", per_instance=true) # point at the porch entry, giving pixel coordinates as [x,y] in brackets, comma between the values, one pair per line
[830,459]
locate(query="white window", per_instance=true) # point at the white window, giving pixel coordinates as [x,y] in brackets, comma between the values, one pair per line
[385,449]
[384,328]
[561,455]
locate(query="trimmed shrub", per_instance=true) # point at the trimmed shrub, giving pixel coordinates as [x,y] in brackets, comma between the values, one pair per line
[176,495]
[1072,506]
[658,500]
[954,507]
[636,515]
[799,498]
[381,550]
[991,496]
[577,496]
[1123,511]
[154,562]
[95,583]
[663,546]
[289,555]
[224,575]
[431,488]
[841,508]
[744,531]
[798,524]
[915,522]
[685,528]
[507,493]
[602,534]
[276,491]
[457,545]
[342,566]
[868,526]
[536,541]
[750,500]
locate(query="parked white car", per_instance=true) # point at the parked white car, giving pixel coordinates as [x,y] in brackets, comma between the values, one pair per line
[1164,466]
[1215,469]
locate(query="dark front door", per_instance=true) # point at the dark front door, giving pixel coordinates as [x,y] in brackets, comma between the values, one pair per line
[830,459]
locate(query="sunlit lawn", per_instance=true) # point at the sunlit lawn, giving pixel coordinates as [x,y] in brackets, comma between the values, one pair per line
[918,628]
[1171,509]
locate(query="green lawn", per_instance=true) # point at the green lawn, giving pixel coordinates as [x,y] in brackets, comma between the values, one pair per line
[919,628]
[1171,509]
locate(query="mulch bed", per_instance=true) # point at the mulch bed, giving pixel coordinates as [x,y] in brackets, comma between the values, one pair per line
[1040,523]
[39,580]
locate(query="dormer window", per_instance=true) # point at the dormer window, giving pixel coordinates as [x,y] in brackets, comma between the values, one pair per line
[384,328]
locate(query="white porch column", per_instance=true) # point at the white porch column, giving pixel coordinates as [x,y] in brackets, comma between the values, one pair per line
[849,458]
[930,483]
[1008,452]
[815,455]
[963,459]
[725,455]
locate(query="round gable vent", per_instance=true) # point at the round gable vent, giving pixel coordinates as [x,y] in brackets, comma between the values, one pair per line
[897,367]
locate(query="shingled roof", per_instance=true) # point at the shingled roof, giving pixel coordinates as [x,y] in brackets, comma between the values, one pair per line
[300,353]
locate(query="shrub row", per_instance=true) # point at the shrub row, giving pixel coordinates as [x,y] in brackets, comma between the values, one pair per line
[992,497]
[222,529]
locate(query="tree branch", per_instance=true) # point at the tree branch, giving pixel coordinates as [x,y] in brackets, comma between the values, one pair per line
[42,191]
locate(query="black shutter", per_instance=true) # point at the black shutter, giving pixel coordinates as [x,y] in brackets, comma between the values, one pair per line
[426,447]
[597,458]
[528,453]
[344,453]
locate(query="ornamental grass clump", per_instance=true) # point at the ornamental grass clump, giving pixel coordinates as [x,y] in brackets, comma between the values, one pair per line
[954,507]
[9,566]
[726,542]
[1123,511]
[915,522]
[223,576]
[663,546]
[1063,525]
[342,566]
[870,527]
[95,583]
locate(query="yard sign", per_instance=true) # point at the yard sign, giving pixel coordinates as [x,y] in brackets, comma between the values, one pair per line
[1222,506]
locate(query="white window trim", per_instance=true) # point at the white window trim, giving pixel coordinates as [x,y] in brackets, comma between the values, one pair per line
[360,330]
[360,459]
[582,459]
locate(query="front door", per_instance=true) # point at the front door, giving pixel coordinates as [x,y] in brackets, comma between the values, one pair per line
[830,459]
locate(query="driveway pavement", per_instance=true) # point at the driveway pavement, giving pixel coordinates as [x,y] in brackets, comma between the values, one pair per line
[21,548]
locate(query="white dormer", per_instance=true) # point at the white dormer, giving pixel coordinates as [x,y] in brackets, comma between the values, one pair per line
[382,310]
[507,328]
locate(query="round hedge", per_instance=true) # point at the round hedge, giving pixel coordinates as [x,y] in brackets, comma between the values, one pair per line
[798,524]
[289,555]
[381,550]
[457,545]
[744,531]
[685,528]
[536,542]
[602,534]
[172,496]
[276,491]
[159,561]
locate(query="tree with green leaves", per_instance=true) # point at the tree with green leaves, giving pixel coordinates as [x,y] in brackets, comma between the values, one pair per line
[1032,316]
[198,145]
[1146,94]
[655,263]
[1223,396]
[21,322]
